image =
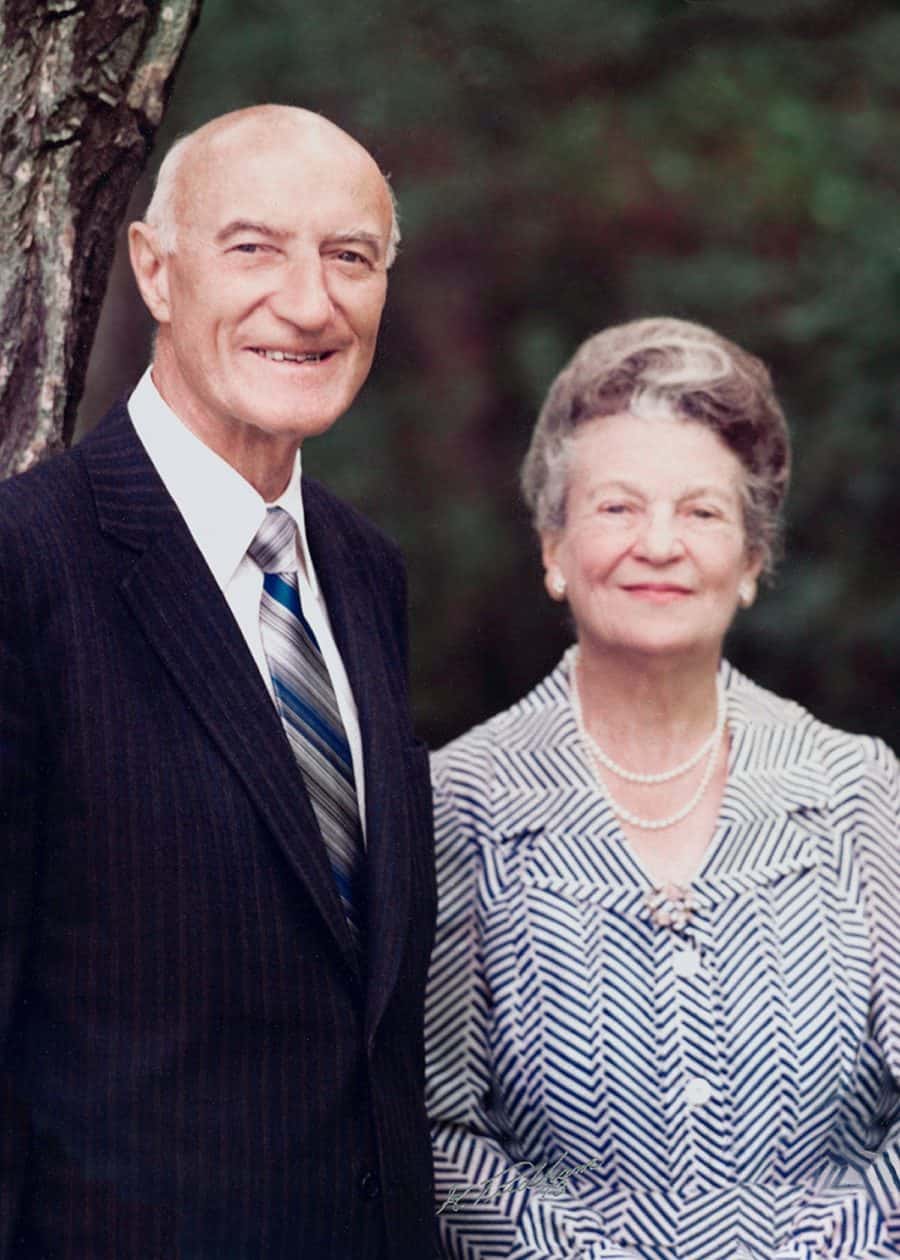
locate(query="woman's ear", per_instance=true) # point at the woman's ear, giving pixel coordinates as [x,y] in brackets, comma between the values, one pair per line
[554,578]
[747,584]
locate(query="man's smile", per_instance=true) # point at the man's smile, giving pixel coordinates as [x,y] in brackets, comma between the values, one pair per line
[288,356]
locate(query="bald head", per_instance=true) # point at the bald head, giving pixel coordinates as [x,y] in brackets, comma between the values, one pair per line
[263,260]
[303,135]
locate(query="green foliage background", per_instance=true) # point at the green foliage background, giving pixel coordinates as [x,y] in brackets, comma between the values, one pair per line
[566,164]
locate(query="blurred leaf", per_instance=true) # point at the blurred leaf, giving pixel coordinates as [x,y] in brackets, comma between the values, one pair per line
[565,166]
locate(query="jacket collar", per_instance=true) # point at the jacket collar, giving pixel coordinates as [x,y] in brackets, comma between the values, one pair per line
[365,645]
[541,773]
[176,602]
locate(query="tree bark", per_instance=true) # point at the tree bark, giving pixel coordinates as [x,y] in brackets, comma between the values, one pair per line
[83,88]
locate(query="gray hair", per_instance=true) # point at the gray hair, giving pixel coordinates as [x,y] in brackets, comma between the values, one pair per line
[681,371]
[162,217]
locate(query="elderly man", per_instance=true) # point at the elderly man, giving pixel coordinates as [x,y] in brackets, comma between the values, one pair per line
[216,894]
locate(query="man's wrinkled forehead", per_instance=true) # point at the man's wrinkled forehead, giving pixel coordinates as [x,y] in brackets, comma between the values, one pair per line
[260,160]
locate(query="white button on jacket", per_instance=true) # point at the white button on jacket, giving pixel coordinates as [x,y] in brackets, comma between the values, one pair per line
[697,1091]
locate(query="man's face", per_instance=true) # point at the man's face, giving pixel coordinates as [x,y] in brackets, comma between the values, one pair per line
[272,299]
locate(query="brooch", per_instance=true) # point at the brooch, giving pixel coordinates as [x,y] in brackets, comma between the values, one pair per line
[670,906]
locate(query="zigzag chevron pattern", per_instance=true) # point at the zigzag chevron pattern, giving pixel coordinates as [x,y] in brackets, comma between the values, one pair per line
[604,1088]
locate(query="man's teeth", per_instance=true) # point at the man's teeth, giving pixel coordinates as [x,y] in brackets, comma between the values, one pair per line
[282,356]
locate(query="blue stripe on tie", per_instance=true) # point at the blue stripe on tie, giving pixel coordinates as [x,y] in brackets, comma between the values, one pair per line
[314,721]
[289,598]
[345,887]
[310,714]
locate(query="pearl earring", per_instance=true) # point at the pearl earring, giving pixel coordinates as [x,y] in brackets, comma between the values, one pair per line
[746,592]
[557,584]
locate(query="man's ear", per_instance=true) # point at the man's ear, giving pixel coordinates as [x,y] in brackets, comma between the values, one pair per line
[151,270]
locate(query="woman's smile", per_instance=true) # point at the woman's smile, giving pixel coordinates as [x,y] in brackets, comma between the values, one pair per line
[656,593]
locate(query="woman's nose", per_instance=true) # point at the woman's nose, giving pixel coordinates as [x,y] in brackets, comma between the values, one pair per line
[659,539]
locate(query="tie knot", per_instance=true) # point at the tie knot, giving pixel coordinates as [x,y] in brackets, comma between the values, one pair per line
[274,548]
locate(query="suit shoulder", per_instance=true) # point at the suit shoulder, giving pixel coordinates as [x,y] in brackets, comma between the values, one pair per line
[49,511]
[43,504]
[357,529]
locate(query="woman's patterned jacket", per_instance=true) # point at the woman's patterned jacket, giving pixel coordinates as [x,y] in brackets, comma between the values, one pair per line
[604,1087]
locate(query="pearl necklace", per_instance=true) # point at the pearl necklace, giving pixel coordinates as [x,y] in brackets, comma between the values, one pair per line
[710,747]
[634,776]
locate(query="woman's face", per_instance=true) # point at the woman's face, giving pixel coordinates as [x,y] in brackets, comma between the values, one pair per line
[653,552]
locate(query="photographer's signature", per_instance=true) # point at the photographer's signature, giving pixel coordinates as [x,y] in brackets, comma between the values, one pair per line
[546,1181]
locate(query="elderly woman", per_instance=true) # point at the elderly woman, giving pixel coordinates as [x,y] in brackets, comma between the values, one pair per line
[665,1002]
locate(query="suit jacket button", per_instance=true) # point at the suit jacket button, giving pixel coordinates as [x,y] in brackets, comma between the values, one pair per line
[368,1186]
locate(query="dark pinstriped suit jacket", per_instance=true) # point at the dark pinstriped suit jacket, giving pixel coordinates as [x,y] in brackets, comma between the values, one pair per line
[192,1068]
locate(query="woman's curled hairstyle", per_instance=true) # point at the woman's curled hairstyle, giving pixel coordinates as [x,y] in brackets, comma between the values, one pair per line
[676,369]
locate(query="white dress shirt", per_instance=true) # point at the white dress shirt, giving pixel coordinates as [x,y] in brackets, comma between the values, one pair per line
[223,513]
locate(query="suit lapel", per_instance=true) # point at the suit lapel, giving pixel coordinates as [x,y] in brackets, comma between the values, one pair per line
[173,597]
[347,585]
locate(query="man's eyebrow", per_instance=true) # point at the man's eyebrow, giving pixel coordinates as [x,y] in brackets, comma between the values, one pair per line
[249,225]
[358,236]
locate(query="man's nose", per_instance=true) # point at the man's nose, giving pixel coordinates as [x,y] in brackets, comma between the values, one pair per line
[303,297]
[659,539]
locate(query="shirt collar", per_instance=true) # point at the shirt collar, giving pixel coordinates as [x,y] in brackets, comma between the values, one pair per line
[220,508]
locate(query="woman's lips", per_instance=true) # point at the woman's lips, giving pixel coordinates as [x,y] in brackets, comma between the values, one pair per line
[657,593]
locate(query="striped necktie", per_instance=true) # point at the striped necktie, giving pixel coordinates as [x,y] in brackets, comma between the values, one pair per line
[309,711]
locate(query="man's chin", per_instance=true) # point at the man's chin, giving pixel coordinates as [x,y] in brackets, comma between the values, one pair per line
[289,431]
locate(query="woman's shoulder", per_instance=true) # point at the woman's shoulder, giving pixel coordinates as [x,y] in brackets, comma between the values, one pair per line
[791,733]
[525,725]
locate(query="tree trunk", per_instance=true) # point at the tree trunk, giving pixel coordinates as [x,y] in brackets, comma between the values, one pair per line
[82,91]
